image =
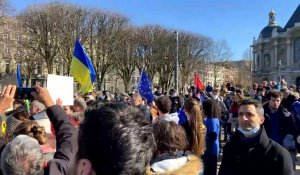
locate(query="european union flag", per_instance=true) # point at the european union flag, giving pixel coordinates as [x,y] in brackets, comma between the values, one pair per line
[145,87]
[19,80]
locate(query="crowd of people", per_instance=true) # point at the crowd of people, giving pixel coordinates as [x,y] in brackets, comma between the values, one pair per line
[173,134]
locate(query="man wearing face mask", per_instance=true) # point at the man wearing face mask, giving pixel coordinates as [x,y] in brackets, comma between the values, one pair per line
[250,151]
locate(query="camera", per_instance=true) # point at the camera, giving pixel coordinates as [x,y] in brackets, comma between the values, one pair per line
[24,93]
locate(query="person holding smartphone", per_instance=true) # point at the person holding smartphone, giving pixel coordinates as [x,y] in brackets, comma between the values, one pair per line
[12,158]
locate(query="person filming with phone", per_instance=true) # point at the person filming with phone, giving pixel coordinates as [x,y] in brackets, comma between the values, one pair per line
[23,155]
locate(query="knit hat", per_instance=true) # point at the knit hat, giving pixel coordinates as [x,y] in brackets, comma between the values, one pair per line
[80,102]
[11,124]
[38,105]
[78,116]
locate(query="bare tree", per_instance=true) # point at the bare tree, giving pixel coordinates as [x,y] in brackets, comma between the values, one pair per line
[165,49]
[219,57]
[43,27]
[74,25]
[194,50]
[106,36]
[147,50]
[29,65]
[244,74]
[5,8]
[125,58]
[113,45]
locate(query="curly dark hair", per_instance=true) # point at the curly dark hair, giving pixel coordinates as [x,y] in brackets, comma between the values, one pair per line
[116,138]
[163,104]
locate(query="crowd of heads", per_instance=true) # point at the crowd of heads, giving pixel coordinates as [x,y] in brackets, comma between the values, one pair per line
[114,136]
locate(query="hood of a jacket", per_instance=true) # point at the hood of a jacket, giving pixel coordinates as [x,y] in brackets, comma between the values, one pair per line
[170,117]
[187,165]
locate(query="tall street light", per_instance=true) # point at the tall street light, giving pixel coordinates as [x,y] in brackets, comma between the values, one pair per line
[176,63]
[279,70]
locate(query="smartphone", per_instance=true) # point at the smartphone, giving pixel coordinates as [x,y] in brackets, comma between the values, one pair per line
[24,93]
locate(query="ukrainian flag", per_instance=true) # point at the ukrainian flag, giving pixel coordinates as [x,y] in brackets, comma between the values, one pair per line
[82,69]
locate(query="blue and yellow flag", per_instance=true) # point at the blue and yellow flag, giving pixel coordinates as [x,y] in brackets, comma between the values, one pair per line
[82,69]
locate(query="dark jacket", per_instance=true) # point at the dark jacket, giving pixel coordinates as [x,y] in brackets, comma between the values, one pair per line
[176,104]
[287,102]
[209,88]
[146,111]
[64,131]
[259,156]
[286,122]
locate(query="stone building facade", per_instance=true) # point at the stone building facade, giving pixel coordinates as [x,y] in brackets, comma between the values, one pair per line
[213,75]
[276,52]
[10,48]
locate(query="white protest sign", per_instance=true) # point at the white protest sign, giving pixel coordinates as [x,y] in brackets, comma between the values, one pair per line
[61,87]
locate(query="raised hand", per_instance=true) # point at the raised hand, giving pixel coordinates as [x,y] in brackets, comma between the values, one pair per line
[42,95]
[59,102]
[7,98]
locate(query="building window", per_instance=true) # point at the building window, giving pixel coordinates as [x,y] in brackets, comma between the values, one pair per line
[7,67]
[6,50]
[133,80]
[6,36]
[267,60]
[19,39]
[297,50]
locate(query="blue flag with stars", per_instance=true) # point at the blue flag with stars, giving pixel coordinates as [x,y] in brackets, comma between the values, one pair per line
[145,87]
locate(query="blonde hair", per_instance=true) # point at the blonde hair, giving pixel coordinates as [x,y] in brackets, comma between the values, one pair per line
[32,129]
[296,95]
[198,130]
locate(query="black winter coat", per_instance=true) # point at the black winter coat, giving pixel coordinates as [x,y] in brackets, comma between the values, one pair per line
[287,102]
[60,164]
[259,156]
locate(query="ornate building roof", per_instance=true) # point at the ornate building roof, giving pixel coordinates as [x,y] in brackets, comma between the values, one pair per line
[267,31]
[295,18]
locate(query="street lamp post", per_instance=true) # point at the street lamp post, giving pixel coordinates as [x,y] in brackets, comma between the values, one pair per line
[176,64]
[279,70]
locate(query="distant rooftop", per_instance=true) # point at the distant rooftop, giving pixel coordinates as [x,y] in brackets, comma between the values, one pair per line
[294,19]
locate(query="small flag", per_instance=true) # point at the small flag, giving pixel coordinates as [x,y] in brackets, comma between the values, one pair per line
[82,68]
[19,80]
[199,85]
[145,87]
